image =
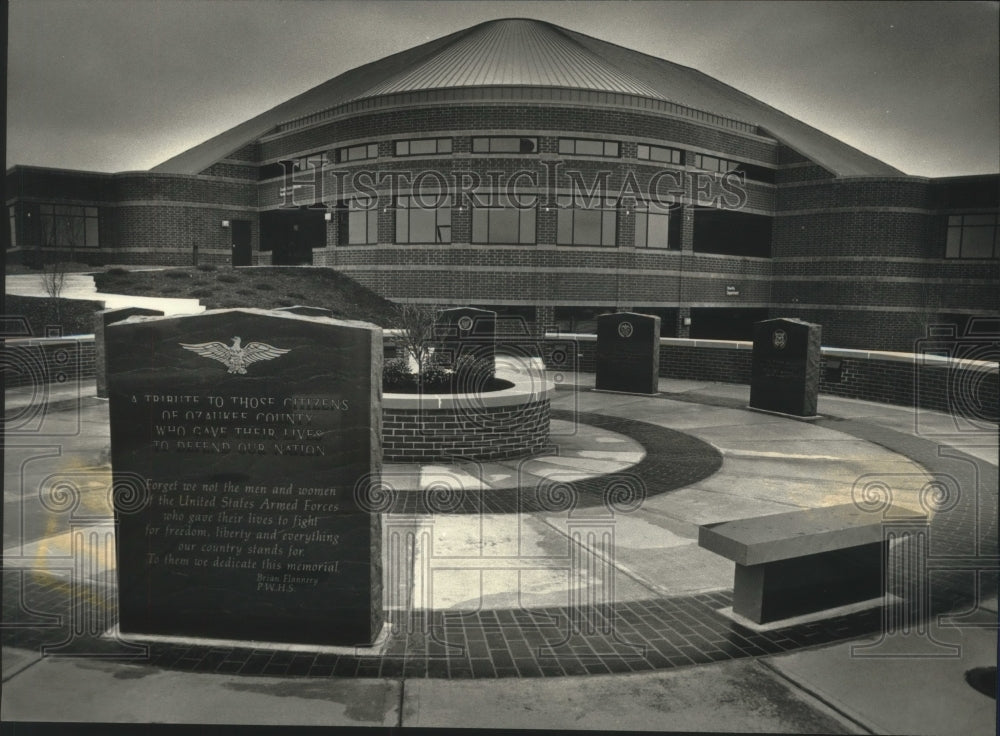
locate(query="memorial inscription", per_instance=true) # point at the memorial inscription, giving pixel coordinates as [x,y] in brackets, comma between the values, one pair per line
[785,367]
[247,525]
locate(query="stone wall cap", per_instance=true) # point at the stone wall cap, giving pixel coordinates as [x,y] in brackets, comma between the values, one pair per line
[519,394]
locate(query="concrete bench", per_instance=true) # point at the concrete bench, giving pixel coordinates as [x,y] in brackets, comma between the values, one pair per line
[805,561]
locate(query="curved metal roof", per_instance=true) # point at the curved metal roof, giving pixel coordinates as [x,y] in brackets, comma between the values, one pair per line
[514,52]
[519,52]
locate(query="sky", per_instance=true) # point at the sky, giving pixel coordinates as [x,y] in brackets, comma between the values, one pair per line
[122,85]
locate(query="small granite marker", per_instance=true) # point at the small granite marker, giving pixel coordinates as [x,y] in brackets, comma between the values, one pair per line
[785,367]
[628,353]
[256,434]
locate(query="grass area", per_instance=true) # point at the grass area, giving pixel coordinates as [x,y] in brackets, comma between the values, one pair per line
[264,288]
[75,316]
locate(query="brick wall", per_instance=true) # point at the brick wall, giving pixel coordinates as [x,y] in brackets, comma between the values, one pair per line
[482,433]
[889,379]
[972,393]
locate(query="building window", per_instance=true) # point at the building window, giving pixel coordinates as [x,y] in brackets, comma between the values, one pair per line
[69,226]
[420,224]
[714,163]
[588,147]
[724,165]
[356,153]
[661,154]
[358,222]
[12,211]
[503,225]
[504,144]
[654,227]
[304,163]
[423,146]
[581,320]
[972,236]
[581,222]
[292,166]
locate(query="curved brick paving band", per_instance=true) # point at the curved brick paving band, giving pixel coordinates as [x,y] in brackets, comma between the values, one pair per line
[672,460]
[636,635]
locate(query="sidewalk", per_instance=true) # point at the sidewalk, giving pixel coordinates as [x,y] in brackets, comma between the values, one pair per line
[669,662]
[81,286]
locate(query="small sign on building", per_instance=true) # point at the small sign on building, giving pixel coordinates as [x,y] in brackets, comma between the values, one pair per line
[732,290]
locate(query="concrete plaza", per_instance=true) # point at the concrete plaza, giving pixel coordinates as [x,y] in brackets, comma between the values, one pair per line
[491,623]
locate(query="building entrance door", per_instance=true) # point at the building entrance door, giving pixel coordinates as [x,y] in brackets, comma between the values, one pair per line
[240,230]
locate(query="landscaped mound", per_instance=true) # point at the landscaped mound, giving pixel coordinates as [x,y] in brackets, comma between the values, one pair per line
[270,287]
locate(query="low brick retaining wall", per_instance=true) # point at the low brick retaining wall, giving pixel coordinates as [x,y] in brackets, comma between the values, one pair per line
[965,388]
[968,389]
[497,426]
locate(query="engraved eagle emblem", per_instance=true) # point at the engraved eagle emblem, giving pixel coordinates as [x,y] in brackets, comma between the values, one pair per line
[235,357]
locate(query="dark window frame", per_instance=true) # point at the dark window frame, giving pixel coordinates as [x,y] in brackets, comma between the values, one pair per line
[957,225]
[343,155]
[441,146]
[677,153]
[645,212]
[727,165]
[574,144]
[348,211]
[488,210]
[492,144]
[302,163]
[403,208]
[55,224]
[571,207]
[12,217]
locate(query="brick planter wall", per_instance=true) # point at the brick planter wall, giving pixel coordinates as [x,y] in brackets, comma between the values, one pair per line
[463,432]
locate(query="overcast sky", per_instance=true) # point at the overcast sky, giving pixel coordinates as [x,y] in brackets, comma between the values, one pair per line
[117,85]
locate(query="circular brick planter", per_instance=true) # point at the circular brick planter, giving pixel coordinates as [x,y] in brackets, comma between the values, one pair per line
[498,425]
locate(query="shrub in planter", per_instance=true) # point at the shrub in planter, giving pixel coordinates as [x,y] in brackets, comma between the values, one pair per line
[396,374]
[435,377]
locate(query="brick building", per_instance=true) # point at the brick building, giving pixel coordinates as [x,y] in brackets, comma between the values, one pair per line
[526,168]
